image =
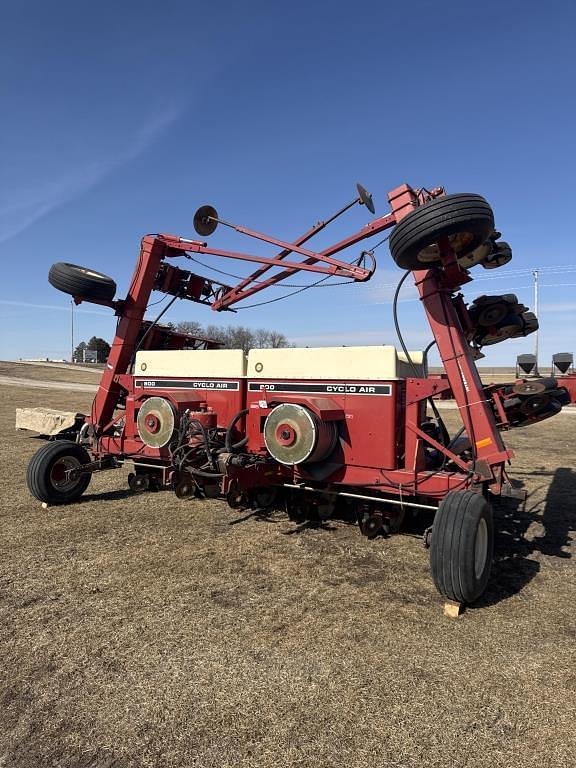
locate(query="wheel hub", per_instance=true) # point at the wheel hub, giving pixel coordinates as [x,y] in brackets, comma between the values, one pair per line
[60,473]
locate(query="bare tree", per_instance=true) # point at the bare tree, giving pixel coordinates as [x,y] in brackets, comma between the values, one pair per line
[262,338]
[236,337]
[277,340]
[190,326]
[216,332]
[240,338]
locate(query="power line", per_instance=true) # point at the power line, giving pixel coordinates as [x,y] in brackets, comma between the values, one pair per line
[512,273]
[502,275]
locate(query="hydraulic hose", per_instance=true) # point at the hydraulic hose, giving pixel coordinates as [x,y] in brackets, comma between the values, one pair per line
[202,429]
[202,473]
[228,444]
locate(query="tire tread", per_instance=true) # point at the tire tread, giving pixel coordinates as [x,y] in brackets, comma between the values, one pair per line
[69,279]
[453,545]
[437,218]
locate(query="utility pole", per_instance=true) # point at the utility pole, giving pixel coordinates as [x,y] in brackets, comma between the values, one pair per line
[535,276]
[72,332]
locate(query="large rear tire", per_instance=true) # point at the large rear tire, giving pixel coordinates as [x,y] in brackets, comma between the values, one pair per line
[82,282]
[465,219]
[462,545]
[46,475]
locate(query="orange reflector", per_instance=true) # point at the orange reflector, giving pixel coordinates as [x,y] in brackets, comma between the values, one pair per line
[484,443]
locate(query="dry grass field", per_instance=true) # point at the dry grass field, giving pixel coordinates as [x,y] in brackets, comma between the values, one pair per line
[48,372]
[151,632]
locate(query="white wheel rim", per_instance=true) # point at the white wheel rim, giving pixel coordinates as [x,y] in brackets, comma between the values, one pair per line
[480,548]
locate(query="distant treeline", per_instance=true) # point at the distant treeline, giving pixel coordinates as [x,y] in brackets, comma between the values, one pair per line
[235,337]
[94,351]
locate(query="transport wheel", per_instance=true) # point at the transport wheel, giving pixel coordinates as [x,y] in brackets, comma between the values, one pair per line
[465,219]
[82,282]
[46,474]
[461,546]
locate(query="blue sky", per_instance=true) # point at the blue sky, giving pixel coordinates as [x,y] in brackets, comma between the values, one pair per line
[122,118]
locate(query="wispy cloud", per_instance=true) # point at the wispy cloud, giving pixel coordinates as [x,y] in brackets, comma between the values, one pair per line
[27,206]
[27,305]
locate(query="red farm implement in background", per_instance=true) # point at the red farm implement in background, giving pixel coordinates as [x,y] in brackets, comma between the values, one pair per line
[314,428]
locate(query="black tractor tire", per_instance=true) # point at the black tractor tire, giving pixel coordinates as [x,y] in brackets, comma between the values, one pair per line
[465,218]
[45,475]
[462,545]
[81,282]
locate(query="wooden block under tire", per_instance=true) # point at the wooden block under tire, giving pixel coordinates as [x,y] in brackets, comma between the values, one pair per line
[453,610]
